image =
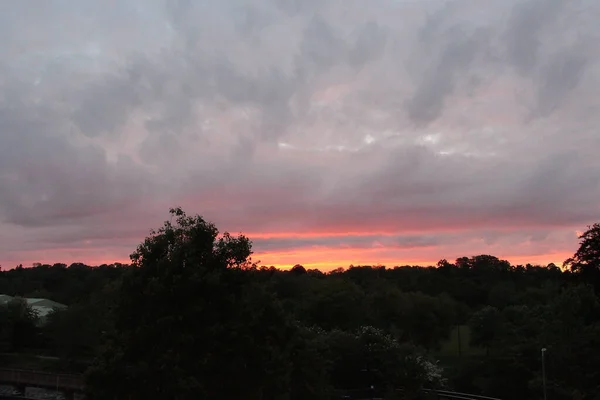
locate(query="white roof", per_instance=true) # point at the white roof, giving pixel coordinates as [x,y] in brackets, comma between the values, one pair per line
[4,298]
[42,306]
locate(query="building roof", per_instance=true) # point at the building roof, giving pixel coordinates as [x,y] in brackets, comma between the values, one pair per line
[44,303]
[4,298]
[42,306]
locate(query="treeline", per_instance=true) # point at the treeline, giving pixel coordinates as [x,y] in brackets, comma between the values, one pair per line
[192,317]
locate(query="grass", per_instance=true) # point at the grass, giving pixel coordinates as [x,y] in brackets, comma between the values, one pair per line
[452,347]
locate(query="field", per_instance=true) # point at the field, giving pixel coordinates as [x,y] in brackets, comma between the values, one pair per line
[455,348]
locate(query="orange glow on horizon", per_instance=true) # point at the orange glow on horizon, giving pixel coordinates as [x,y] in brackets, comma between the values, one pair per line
[323,257]
[329,259]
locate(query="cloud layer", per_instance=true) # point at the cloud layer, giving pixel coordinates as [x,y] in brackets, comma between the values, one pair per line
[331,132]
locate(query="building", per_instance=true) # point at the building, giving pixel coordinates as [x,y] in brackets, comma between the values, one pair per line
[42,307]
[4,299]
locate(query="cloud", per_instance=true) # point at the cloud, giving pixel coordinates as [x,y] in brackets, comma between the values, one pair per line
[406,124]
[528,23]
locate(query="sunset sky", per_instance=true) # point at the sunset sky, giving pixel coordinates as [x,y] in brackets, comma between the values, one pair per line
[331,132]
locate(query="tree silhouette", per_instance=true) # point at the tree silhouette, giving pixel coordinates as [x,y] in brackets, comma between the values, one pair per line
[587,257]
[188,322]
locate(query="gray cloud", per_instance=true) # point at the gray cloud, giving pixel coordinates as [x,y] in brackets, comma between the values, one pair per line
[528,22]
[559,78]
[459,49]
[283,115]
[350,241]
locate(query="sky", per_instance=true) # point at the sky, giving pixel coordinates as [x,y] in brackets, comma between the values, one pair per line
[331,132]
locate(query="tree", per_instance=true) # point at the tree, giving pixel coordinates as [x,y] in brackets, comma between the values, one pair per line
[587,257]
[310,377]
[485,325]
[75,334]
[298,270]
[18,325]
[187,321]
[502,294]
[369,357]
[483,263]
[335,303]
[413,317]
[585,263]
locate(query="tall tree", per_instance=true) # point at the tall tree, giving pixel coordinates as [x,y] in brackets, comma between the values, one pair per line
[586,261]
[188,322]
[587,257]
